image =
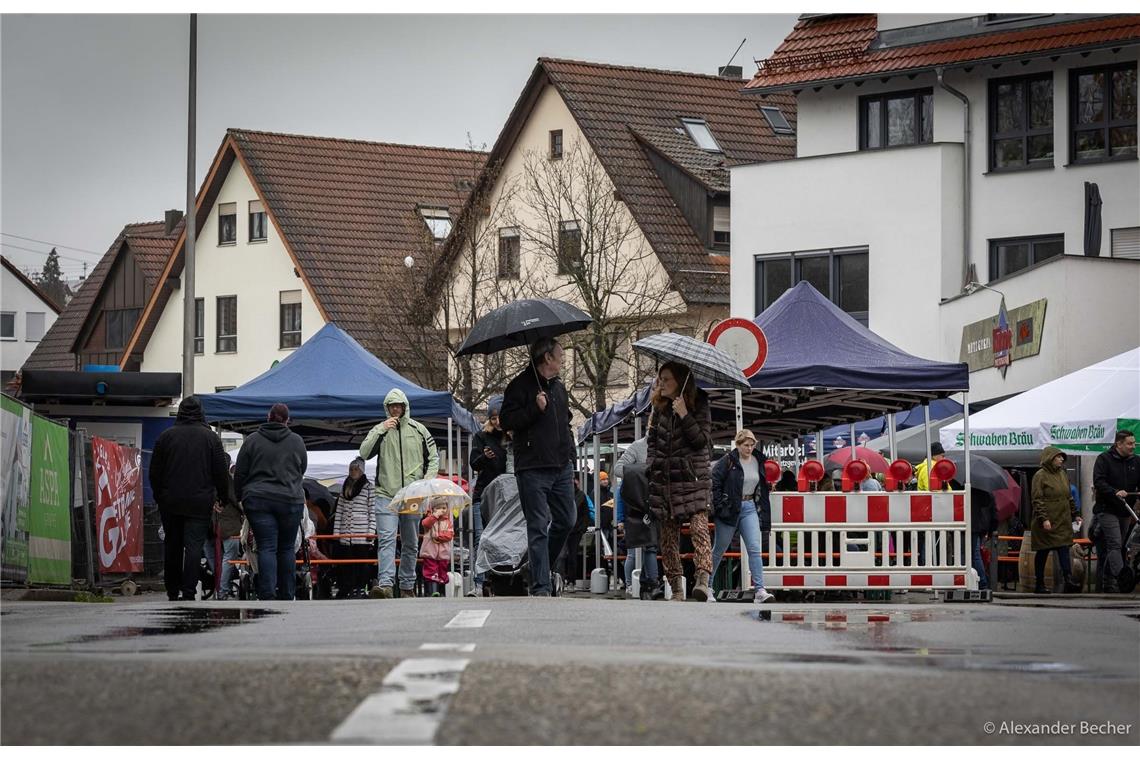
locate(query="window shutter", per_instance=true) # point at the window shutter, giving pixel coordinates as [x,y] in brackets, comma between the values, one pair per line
[255,207]
[290,296]
[1126,243]
[227,209]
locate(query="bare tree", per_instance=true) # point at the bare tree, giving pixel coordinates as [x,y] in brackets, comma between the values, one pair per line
[572,221]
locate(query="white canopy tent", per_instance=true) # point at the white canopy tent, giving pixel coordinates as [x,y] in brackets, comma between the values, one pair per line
[1079,412]
[331,464]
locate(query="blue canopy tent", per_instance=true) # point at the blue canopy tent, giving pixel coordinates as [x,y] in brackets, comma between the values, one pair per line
[823,369]
[939,409]
[335,391]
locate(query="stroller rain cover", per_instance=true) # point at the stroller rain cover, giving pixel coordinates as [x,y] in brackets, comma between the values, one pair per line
[503,541]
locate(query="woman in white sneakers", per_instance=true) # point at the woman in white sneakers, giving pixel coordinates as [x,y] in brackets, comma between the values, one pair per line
[738,491]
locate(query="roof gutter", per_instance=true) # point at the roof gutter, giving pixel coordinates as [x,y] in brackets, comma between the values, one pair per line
[966,142]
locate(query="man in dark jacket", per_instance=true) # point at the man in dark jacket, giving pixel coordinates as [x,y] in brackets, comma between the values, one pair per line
[1116,474]
[536,411]
[189,473]
[489,461]
[268,482]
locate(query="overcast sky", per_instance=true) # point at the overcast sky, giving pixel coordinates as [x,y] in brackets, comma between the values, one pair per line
[93,132]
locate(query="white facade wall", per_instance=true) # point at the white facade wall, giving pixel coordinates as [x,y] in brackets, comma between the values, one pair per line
[19,299]
[890,202]
[257,273]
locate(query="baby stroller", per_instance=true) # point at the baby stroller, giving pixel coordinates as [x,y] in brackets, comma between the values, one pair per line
[247,578]
[1129,574]
[502,555]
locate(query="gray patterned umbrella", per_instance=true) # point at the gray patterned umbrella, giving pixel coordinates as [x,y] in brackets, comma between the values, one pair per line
[706,361]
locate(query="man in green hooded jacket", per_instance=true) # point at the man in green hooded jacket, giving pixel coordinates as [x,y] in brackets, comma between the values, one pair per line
[404,452]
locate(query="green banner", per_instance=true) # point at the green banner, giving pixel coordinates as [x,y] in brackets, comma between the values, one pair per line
[15,467]
[49,520]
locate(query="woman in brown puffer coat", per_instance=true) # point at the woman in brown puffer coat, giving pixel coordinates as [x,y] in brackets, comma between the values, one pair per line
[1052,518]
[678,466]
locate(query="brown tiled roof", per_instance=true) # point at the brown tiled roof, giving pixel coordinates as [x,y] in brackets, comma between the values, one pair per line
[31,285]
[147,242]
[347,211]
[840,47]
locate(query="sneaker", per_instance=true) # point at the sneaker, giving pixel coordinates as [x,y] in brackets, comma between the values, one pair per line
[380,592]
[762,596]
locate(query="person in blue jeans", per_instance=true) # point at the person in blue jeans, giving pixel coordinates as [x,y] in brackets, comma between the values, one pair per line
[489,460]
[536,411]
[268,482]
[738,485]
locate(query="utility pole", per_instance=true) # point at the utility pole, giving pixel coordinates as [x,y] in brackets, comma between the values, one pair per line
[189,313]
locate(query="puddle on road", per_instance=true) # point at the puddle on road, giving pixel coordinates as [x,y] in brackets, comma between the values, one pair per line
[175,621]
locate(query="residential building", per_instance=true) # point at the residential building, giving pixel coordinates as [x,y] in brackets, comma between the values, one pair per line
[946,166]
[26,315]
[296,231]
[608,187]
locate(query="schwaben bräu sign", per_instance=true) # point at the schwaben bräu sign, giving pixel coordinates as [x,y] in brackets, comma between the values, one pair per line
[1015,336]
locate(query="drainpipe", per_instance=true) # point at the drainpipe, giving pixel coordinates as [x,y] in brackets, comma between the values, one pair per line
[966,132]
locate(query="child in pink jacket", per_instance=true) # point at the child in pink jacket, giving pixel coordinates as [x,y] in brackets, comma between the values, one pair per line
[435,551]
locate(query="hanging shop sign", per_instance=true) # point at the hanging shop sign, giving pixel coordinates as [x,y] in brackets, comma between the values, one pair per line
[1002,339]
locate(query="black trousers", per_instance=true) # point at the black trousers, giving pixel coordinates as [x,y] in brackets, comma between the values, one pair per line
[354,577]
[182,551]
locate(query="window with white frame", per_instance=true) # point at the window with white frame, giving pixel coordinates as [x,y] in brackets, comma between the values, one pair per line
[227,223]
[290,319]
[34,326]
[199,325]
[777,121]
[509,261]
[227,325]
[438,221]
[256,221]
[721,226]
[569,247]
[699,131]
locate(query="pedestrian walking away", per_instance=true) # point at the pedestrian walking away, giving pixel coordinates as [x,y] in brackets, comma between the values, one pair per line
[738,487]
[189,474]
[1116,481]
[536,411]
[1052,525]
[436,548]
[678,462]
[355,517]
[405,452]
[489,460]
[268,481]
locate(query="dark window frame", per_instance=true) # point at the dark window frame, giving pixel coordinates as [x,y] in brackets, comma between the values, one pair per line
[567,259]
[199,326]
[225,336]
[1026,131]
[726,243]
[263,224]
[776,128]
[510,262]
[795,260]
[116,333]
[1107,124]
[12,315]
[556,145]
[222,239]
[1033,241]
[884,121]
[288,338]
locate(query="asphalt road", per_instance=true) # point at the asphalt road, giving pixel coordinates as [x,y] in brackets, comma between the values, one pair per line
[572,671]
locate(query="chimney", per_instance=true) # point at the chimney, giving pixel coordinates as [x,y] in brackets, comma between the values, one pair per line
[173,217]
[730,72]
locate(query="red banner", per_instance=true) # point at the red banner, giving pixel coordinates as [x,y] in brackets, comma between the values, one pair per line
[118,507]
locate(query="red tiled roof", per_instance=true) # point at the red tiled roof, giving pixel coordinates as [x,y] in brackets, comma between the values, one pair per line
[347,210]
[31,285]
[147,242]
[835,48]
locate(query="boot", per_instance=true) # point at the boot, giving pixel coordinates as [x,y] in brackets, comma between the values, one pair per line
[678,590]
[1040,588]
[1071,586]
[651,590]
[701,590]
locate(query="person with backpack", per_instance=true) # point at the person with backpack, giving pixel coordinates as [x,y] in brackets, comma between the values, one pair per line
[405,452]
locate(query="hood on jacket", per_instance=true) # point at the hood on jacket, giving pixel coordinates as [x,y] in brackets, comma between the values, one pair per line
[1047,457]
[397,396]
[494,405]
[190,411]
[274,431]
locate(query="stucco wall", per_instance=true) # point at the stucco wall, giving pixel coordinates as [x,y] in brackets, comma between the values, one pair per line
[16,297]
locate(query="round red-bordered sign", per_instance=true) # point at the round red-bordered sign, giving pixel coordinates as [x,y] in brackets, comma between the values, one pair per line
[744,341]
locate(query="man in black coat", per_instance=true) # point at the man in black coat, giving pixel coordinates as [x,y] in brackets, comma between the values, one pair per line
[189,473]
[536,411]
[1116,474]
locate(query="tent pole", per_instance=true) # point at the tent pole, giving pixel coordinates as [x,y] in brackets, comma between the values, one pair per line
[796,454]
[819,445]
[637,427]
[926,431]
[852,442]
[892,435]
[597,507]
[613,520]
[739,410]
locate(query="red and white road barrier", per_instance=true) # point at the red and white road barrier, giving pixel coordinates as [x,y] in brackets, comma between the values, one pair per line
[868,541]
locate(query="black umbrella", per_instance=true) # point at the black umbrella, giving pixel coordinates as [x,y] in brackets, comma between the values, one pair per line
[1092,219]
[520,323]
[319,495]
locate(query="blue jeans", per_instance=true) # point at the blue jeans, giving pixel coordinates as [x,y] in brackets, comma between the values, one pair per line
[983,580]
[231,549]
[275,526]
[648,564]
[748,524]
[387,524]
[547,496]
[477,531]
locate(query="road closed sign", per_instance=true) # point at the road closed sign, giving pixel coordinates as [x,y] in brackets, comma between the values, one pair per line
[744,341]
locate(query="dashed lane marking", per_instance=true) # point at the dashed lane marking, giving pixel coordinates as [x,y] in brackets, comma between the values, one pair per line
[430,647]
[469,619]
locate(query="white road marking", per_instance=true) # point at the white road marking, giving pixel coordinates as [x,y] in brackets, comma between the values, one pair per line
[409,706]
[448,647]
[469,619]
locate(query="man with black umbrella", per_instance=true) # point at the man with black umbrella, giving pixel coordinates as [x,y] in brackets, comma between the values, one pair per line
[536,411]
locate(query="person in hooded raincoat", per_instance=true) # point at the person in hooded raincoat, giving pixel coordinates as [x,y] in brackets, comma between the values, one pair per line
[1052,518]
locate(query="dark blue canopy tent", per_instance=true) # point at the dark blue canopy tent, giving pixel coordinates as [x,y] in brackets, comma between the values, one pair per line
[335,391]
[823,369]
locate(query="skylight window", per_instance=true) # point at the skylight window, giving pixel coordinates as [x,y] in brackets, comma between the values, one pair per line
[777,120]
[438,221]
[699,131]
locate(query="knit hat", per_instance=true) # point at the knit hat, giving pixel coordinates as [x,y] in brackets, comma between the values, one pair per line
[190,410]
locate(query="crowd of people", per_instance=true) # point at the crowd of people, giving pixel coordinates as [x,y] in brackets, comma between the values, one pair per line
[661,482]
